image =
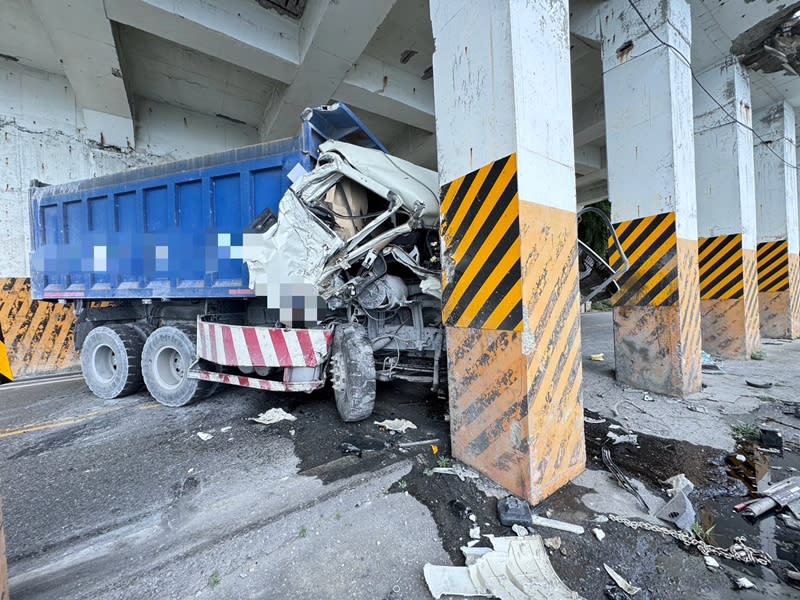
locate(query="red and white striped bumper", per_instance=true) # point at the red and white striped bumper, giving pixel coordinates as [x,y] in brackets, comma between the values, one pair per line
[249,346]
[258,383]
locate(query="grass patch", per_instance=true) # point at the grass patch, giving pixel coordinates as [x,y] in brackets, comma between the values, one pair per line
[214,580]
[703,534]
[746,432]
[444,462]
[303,532]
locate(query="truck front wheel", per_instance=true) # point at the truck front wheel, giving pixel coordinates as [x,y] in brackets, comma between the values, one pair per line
[353,372]
[166,358]
[110,361]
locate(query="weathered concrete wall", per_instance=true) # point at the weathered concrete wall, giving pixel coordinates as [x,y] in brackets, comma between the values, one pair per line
[43,136]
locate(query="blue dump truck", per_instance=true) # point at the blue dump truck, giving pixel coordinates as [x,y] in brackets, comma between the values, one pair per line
[277,267]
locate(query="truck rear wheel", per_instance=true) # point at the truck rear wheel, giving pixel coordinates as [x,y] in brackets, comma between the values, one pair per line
[353,372]
[166,358]
[111,361]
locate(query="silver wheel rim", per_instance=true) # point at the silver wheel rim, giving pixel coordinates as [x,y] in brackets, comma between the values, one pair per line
[170,368]
[104,362]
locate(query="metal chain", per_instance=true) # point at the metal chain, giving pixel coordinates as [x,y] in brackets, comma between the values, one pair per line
[737,551]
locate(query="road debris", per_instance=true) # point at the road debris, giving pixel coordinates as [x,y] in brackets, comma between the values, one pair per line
[430,442]
[784,494]
[520,530]
[709,365]
[762,385]
[600,357]
[225,429]
[622,479]
[396,425]
[273,415]
[711,562]
[623,583]
[738,551]
[460,471]
[599,534]
[592,421]
[475,532]
[678,483]
[348,448]
[553,543]
[743,583]
[628,438]
[516,567]
[204,436]
[678,511]
[555,524]
[513,511]
[771,437]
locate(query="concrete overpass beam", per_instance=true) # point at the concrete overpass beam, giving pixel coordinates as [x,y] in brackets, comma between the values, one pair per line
[777,221]
[650,148]
[390,92]
[726,212]
[237,31]
[511,299]
[81,35]
[331,44]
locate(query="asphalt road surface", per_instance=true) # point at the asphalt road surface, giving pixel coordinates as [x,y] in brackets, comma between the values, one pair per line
[122,499]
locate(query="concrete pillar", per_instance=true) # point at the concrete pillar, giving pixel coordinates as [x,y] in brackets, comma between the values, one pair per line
[776,206]
[726,212]
[649,133]
[509,231]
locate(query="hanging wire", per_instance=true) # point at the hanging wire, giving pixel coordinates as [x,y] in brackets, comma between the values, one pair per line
[702,87]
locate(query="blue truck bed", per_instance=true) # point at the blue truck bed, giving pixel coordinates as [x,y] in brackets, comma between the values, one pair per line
[173,230]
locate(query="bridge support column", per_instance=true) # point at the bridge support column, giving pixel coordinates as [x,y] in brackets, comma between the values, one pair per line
[777,228]
[511,299]
[726,212]
[649,134]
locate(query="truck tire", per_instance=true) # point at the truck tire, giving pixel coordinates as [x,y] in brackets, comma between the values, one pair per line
[111,361]
[353,372]
[166,358]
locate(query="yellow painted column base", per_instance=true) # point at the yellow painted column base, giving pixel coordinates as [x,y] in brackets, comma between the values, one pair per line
[38,335]
[657,343]
[515,402]
[727,330]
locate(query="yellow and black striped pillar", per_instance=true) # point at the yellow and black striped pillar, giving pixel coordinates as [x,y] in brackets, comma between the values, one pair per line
[6,374]
[728,297]
[38,335]
[778,290]
[657,308]
[511,308]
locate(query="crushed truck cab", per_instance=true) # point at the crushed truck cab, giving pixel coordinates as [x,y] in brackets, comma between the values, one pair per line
[349,268]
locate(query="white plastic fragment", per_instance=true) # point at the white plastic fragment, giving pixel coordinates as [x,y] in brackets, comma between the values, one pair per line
[554,524]
[204,436]
[592,421]
[628,438]
[460,471]
[678,483]
[743,583]
[475,532]
[225,429]
[273,415]
[711,562]
[553,543]
[599,534]
[623,583]
[398,425]
[516,568]
[519,530]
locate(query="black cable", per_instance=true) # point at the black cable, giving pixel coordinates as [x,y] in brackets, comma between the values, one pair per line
[702,87]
